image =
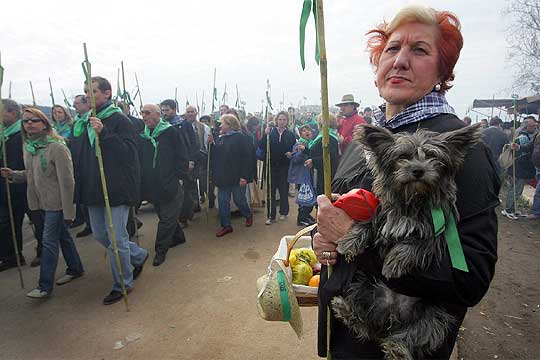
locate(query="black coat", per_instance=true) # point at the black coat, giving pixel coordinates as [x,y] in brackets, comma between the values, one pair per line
[278,147]
[477,196]
[15,161]
[121,164]
[230,159]
[524,166]
[316,155]
[160,184]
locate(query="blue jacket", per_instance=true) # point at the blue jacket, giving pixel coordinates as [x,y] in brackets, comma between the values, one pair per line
[296,165]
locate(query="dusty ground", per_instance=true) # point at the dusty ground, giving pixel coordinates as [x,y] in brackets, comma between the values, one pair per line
[506,324]
[184,310]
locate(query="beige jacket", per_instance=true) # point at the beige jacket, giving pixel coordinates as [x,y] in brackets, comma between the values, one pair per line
[53,188]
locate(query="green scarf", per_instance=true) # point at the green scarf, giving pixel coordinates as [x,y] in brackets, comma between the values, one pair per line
[39,145]
[332,132]
[7,132]
[83,122]
[62,128]
[161,126]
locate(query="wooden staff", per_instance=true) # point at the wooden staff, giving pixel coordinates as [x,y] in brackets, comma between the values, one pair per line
[88,73]
[207,200]
[51,94]
[8,192]
[33,96]
[9,93]
[139,90]
[326,138]
[514,97]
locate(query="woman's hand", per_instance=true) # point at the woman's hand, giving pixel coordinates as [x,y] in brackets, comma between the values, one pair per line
[300,147]
[6,172]
[308,163]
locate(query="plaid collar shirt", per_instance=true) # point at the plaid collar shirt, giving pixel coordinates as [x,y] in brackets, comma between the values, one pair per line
[429,106]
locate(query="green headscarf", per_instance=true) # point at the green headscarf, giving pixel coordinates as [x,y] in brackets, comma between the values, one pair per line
[161,126]
[39,145]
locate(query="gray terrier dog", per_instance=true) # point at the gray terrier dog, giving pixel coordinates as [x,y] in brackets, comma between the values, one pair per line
[413,173]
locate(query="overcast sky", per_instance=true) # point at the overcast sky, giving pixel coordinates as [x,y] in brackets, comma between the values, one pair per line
[178,43]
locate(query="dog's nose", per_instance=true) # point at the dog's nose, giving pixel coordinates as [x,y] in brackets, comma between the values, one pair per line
[418,173]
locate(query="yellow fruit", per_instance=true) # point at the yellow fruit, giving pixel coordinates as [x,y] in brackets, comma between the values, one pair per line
[314,281]
[302,272]
[304,254]
[292,258]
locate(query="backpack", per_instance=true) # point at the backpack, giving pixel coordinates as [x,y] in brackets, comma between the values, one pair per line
[535,157]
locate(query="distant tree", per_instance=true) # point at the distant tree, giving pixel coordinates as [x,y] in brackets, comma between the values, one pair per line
[524,40]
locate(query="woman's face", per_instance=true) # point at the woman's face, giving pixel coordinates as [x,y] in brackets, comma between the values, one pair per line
[282,121]
[32,124]
[59,115]
[408,67]
[224,128]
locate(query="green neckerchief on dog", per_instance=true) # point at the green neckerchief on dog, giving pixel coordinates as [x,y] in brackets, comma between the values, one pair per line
[33,146]
[8,131]
[161,126]
[440,225]
[84,122]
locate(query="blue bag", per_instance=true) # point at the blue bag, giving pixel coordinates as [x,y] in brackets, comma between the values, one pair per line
[306,195]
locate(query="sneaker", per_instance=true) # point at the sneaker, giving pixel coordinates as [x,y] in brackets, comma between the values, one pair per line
[35,262]
[137,270]
[38,294]
[283,217]
[269,221]
[509,215]
[67,278]
[85,232]
[249,221]
[532,217]
[224,231]
[114,297]
[159,259]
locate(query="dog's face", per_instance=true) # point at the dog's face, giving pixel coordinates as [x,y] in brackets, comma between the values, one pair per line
[415,164]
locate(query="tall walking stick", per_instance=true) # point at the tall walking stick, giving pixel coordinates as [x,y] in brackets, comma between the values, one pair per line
[32,91]
[87,67]
[514,98]
[210,151]
[52,93]
[5,163]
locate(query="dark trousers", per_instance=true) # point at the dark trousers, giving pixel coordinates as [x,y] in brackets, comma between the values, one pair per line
[279,183]
[304,212]
[7,251]
[38,220]
[169,231]
[190,187]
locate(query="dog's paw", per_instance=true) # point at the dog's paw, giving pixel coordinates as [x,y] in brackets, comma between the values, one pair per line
[394,350]
[399,261]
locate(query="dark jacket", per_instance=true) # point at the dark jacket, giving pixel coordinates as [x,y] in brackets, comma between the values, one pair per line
[137,123]
[229,159]
[15,161]
[296,166]
[477,196]
[316,155]
[160,184]
[190,139]
[121,164]
[278,147]
[495,139]
[524,166]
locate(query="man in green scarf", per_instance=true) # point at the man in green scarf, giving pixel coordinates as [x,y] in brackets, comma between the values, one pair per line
[164,160]
[11,130]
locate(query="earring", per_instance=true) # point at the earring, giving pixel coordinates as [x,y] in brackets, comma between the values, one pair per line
[438,87]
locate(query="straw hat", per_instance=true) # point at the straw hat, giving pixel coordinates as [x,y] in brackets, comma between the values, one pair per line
[276,300]
[347,99]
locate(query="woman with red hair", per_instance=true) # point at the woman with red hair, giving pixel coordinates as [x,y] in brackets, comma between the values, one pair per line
[414,57]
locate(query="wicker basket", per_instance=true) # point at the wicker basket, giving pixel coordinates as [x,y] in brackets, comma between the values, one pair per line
[287,243]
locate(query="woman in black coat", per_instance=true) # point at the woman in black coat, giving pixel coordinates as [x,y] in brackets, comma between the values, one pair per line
[230,171]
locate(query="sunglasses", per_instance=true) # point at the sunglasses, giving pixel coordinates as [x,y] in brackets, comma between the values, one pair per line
[32,120]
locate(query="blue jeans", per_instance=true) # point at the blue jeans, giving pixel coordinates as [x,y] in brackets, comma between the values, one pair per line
[55,233]
[536,199]
[520,185]
[129,252]
[224,197]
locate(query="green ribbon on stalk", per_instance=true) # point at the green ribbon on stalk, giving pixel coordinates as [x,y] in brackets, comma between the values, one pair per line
[306,10]
[161,126]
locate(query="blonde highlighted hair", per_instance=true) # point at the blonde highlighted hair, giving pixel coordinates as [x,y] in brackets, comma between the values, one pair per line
[231,120]
[332,121]
[40,115]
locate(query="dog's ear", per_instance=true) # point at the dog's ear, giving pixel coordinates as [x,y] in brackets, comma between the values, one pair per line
[375,138]
[462,139]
